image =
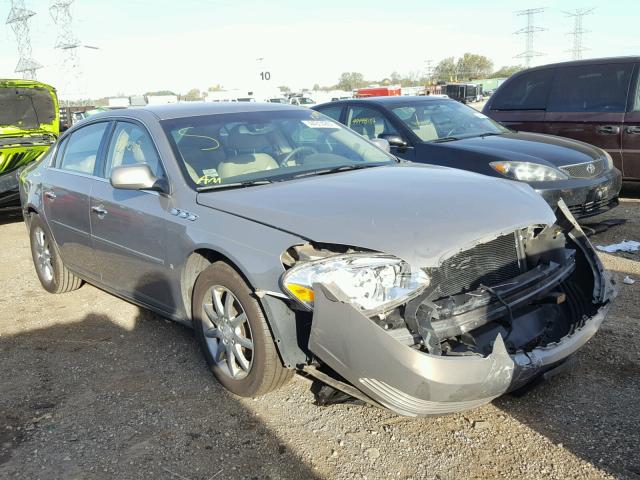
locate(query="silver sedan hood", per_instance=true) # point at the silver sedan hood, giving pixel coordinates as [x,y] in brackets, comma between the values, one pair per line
[420,213]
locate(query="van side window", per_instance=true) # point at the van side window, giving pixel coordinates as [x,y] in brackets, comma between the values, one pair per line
[591,88]
[636,107]
[527,91]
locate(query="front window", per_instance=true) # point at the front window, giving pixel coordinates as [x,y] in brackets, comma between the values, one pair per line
[243,148]
[306,101]
[436,120]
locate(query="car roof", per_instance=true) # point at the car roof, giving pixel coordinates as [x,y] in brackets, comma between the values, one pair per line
[194,109]
[590,61]
[395,100]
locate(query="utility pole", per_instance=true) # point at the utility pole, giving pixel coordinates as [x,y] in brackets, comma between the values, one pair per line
[67,43]
[429,70]
[529,31]
[18,19]
[578,14]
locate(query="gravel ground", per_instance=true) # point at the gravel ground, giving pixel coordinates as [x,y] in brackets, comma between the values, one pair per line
[92,387]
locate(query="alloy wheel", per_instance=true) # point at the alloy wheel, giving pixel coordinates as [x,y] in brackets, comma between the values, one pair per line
[227,331]
[43,255]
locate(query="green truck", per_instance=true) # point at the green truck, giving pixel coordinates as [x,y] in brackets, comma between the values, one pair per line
[29,125]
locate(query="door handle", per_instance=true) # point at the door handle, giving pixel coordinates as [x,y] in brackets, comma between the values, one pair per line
[99,210]
[49,194]
[633,130]
[608,129]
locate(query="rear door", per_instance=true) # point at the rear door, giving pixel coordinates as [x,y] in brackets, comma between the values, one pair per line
[129,226]
[588,103]
[631,133]
[520,103]
[66,189]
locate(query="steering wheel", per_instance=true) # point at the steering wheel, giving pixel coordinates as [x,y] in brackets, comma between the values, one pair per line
[296,151]
[453,130]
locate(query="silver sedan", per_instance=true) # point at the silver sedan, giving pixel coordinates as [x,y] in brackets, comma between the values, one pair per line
[290,243]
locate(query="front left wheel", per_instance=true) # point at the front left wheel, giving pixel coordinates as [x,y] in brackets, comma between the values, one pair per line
[234,335]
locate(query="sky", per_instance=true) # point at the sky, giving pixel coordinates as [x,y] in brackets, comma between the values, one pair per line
[182,44]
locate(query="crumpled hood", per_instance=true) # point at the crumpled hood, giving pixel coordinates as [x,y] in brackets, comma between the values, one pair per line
[530,147]
[420,213]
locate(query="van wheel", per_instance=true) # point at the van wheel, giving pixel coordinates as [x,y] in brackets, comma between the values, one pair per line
[53,275]
[234,335]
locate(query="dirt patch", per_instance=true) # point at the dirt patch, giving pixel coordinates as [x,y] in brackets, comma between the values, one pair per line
[92,387]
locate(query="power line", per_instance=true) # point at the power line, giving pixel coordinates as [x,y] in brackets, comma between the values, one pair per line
[529,31]
[18,19]
[578,14]
[67,44]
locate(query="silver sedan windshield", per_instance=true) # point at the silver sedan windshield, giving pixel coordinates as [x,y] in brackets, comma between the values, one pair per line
[247,148]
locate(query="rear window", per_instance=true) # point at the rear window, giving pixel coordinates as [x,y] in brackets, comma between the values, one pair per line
[591,88]
[527,91]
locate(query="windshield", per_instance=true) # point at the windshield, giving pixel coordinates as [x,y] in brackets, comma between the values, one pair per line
[306,101]
[223,149]
[26,108]
[445,119]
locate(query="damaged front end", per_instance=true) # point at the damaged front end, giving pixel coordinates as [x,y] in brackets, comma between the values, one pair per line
[488,320]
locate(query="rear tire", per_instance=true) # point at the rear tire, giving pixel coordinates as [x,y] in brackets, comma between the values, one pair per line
[53,275]
[234,335]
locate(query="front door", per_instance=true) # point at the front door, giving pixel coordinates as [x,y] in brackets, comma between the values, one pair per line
[372,123]
[631,137]
[66,190]
[129,226]
[588,102]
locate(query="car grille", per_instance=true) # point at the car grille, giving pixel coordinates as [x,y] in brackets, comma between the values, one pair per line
[592,208]
[585,170]
[488,264]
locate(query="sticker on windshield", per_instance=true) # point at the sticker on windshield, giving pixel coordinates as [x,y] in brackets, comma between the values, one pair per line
[319,123]
[480,115]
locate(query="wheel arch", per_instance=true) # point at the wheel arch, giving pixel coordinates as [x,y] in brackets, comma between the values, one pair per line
[281,319]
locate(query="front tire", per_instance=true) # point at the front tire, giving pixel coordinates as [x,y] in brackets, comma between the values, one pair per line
[234,335]
[53,275]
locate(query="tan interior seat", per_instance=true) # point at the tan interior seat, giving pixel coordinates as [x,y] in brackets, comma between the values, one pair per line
[251,159]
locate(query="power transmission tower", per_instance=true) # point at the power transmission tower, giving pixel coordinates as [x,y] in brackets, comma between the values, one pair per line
[18,19]
[578,14]
[67,43]
[529,31]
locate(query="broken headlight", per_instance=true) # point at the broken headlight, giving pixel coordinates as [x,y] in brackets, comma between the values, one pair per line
[528,172]
[372,283]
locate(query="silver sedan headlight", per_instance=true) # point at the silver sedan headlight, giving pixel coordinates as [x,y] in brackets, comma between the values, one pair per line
[373,283]
[527,171]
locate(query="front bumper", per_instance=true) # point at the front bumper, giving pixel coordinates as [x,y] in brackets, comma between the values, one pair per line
[414,383]
[584,197]
[9,194]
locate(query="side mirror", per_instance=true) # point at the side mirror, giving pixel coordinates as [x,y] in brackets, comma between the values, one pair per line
[382,144]
[136,177]
[394,140]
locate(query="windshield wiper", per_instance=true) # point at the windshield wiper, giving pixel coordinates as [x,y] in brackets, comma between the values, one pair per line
[223,186]
[445,139]
[490,134]
[341,168]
